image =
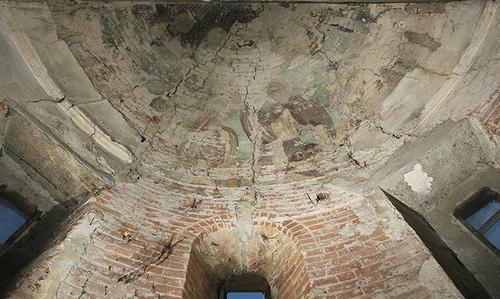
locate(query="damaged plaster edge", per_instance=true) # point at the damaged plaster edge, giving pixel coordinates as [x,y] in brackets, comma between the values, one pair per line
[106,178]
[418,180]
[486,143]
[435,279]
[151,172]
[69,252]
[87,126]
[31,57]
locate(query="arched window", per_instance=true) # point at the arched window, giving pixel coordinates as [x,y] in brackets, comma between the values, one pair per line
[222,266]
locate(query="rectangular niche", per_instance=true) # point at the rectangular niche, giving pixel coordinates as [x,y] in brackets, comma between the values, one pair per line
[481,215]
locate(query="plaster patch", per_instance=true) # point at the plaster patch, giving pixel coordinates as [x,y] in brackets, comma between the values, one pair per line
[439,285]
[418,180]
[366,229]
[348,230]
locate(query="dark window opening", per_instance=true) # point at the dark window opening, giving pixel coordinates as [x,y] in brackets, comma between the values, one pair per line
[481,215]
[245,295]
[11,219]
[16,215]
[245,286]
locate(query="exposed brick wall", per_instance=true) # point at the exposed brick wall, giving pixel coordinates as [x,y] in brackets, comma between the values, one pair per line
[338,248]
[292,279]
[490,114]
[270,253]
[198,283]
[154,238]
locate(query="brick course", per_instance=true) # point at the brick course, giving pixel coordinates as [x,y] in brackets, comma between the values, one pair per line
[323,252]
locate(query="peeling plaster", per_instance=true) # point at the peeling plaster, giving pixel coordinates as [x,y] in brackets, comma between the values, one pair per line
[418,180]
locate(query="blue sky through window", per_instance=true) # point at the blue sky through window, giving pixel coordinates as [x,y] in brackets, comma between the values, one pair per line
[245,295]
[479,218]
[493,235]
[11,219]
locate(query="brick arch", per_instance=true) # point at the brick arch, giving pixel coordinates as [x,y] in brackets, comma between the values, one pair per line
[216,253]
[292,228]
[202,228]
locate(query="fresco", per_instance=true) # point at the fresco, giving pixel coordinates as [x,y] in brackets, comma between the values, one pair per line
[216,91]
[292,123]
